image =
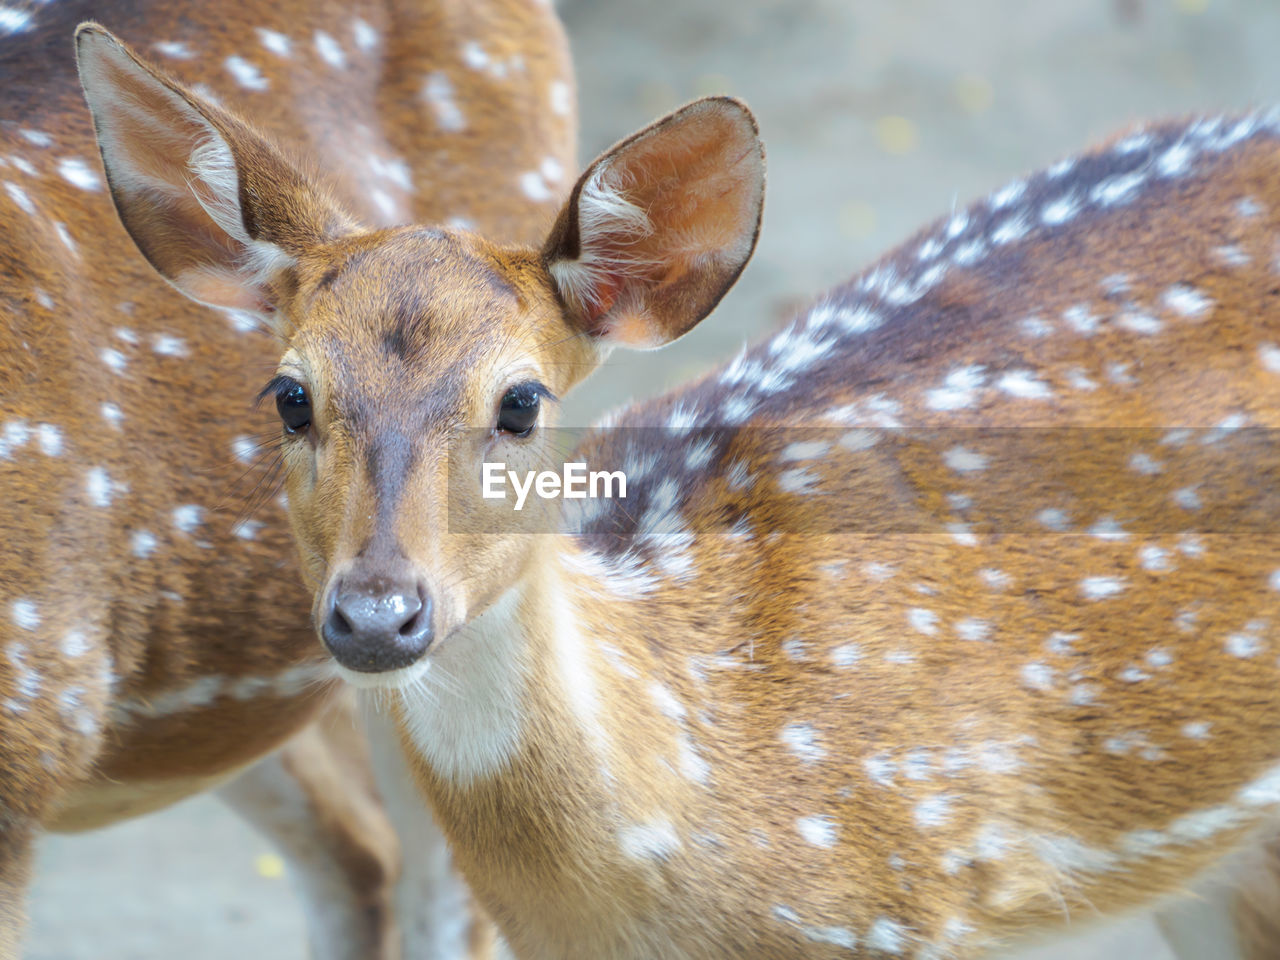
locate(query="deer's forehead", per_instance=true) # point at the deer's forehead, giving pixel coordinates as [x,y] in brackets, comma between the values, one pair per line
[420,305]
[421,284]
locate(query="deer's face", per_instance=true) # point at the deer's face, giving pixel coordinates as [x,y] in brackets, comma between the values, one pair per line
[418,356]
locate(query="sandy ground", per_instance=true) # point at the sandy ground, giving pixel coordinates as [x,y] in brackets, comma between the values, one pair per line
[879,116]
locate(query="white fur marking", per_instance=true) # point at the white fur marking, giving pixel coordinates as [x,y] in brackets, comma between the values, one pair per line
[245,73]
[819,831]
[77,172]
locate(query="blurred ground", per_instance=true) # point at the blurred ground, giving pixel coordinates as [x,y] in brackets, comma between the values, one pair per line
[878,115]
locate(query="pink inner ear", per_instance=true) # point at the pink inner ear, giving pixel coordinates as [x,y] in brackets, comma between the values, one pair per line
[666,222]
[222,288]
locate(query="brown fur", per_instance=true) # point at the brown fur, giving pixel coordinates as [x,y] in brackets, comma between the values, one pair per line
[823,686]
[204,604]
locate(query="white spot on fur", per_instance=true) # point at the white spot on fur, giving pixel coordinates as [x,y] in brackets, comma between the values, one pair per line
[330,50]
[995,579]
[60,230]
[1144,464]
[142,543]
[245,449]
[1269,354]
[853,319]
[1036,327]
[365,35]
[99,487]
[819,831]
[880,768]
[1154,558]
[1108,528]
[887,936]
[933,812]
[1099,588]
[805,451]
[1054,519]
[1187,498]
[1037,676]
[798,481]
[1011,230]
[958,390]
[802,740]
[925,621]
[1243,644]
[560,98]
[1120,188]
[75,171]
[50,439]
[112,414]
[1175,161]
[1186,301]
[25,614]
[655,840]
[846,655]
[168,346]
[172,50]
[245,73]
[1022,383]
[19,196]
[439,94]
[973,629]
[187,517]
[74,644]
[1008,194]
[275,41]
[473,55]
[1197,729]
[963,460]
[1231,255]
[1061,210]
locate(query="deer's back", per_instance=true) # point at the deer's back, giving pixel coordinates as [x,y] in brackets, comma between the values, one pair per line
[977,560]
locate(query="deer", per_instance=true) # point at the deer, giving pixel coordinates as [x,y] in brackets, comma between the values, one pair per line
[941,622]
[154,640]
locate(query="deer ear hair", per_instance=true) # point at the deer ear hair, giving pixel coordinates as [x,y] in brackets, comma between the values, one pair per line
[658,228]
[212,205]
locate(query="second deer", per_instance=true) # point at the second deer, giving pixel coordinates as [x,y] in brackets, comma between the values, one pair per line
[846,673]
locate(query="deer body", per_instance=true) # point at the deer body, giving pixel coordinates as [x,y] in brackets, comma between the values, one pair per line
[762,740]
[153,634]
[846,674]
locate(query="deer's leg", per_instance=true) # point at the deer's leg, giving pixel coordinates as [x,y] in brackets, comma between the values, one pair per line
[16,843]
[438,918]
[316,799]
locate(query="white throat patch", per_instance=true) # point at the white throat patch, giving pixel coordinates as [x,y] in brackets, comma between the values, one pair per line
[464,713]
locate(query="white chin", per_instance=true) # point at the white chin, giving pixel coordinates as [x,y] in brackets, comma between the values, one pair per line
[389,680]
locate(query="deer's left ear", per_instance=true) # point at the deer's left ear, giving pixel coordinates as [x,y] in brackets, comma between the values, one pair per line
[657,229]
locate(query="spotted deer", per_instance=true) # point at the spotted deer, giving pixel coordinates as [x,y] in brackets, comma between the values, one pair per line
[941,621]
[154,641]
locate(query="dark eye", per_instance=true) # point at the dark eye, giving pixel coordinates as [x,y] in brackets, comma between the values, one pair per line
[518,411]
[294,407]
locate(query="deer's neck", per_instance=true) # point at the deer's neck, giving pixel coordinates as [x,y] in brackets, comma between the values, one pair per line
[552,747]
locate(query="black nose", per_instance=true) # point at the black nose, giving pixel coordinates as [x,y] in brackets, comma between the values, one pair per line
[374,624]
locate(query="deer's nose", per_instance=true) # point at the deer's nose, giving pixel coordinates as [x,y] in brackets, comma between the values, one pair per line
[374,624]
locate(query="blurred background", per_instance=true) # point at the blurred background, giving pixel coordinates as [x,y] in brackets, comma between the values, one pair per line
[878,116]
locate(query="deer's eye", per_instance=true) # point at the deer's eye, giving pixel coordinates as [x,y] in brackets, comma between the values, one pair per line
[518,411]
[294,406]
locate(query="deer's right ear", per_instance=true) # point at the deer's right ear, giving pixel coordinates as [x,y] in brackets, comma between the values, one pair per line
[212,205]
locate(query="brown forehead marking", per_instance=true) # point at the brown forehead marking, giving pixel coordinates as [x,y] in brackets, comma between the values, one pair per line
[398,324]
